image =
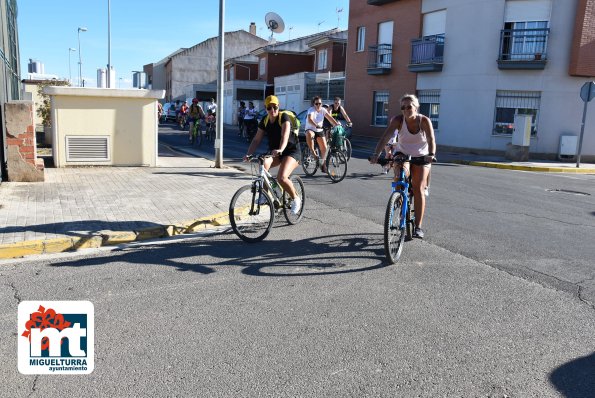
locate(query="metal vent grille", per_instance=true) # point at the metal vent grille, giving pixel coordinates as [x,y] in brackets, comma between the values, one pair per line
[87,148]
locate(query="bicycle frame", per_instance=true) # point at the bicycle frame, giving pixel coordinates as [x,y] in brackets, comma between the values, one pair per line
[263,180]
[402,185]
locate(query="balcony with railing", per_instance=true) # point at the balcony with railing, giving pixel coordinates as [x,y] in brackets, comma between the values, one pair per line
[380,59]
[427,54]
[523,48]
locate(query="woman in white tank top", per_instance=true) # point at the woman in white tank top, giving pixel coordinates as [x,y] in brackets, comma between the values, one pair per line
[414,136]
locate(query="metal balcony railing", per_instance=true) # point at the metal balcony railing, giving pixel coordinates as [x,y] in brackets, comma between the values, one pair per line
[380,59]
[523,48]
[427,53]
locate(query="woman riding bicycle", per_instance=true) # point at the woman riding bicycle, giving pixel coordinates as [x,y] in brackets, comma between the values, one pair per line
[283,145]
[415,137]
[314,128]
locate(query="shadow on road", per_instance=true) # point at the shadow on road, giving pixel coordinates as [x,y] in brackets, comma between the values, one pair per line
[576,379]
[321,255]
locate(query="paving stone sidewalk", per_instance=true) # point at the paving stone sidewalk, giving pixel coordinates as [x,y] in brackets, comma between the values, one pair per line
[131,202]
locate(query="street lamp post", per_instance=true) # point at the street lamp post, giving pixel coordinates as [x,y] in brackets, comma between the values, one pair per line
[70,50]
[80,29]
[220,86]
[109,48]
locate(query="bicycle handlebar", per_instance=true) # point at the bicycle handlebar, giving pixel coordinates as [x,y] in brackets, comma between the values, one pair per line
[398,159]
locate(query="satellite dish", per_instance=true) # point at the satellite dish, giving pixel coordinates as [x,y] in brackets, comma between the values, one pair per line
[274,23]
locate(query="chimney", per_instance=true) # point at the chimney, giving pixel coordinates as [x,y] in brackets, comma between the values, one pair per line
[253,28]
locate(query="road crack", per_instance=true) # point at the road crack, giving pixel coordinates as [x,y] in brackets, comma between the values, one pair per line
[15,292]
[34,386]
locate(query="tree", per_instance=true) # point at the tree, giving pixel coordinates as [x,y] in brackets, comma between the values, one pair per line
[44,108]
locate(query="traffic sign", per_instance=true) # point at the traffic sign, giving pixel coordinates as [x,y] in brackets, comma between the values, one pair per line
[588,91]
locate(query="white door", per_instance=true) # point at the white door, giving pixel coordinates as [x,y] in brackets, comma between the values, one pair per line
[294,102]
[228,110]
[282,100]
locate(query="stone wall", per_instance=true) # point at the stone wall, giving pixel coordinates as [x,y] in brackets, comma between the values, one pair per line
[23,164]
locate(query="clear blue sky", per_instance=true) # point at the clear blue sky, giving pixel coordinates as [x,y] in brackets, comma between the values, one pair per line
[145,31]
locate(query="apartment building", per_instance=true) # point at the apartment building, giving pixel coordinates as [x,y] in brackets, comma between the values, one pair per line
[9,73]
[190,72]
[475,66]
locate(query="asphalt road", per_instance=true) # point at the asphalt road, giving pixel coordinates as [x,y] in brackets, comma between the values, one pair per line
[487,306]
[539,226]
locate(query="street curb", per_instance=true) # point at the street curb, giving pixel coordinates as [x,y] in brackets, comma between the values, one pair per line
[552,169]
[110,238]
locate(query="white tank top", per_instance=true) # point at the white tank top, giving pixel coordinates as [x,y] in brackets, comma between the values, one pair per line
[414,145]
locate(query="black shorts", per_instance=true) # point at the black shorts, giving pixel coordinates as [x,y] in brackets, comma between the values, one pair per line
[418,161]
[317,133]
[293,151]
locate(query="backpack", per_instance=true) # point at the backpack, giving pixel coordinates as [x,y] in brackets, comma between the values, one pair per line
[293,120]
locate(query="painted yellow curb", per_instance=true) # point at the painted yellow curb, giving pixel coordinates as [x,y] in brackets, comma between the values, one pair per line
[109,238]
[57,245]
[112,238]
[20,249]
[546,169]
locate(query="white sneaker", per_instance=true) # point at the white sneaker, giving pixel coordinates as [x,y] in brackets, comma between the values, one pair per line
[296,205]
[384,169]
[427,191]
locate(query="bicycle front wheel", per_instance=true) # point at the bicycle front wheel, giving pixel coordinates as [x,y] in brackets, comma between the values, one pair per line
[298,185]
[394,235]
[309,161]
[251,214]
[336,166]
[347,148]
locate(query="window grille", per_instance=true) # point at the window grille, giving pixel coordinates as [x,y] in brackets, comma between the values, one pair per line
[429,105]
[380,108]
[511,103]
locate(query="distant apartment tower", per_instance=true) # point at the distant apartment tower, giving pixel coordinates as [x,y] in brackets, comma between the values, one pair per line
[139,80]
[35,66]
[101,78]
[102,81]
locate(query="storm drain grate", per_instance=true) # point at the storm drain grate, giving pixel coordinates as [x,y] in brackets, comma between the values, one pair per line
[568,191]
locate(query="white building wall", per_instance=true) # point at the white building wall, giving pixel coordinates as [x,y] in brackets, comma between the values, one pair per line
[470,78]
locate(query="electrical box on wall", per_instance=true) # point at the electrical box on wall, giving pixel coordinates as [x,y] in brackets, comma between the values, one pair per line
[568,144]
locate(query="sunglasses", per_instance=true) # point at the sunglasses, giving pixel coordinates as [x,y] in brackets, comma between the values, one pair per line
[408,107]
[272,107]
[318,103]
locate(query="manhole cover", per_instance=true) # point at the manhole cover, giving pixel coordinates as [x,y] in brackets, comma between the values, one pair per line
[568,191]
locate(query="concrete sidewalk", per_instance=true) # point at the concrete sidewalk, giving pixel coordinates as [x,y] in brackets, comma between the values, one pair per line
[89,207]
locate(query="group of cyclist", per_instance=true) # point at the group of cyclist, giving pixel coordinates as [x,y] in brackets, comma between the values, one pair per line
[409,133]
[247,120]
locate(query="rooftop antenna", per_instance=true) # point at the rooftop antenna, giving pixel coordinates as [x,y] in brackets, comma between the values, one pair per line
[290,28]
[320,23]
[339,11]
[275,24]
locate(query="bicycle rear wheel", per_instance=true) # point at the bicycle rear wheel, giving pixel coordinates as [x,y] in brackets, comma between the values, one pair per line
[336,166]
[250,220]
[394,235]
[298,185]
[309,161]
